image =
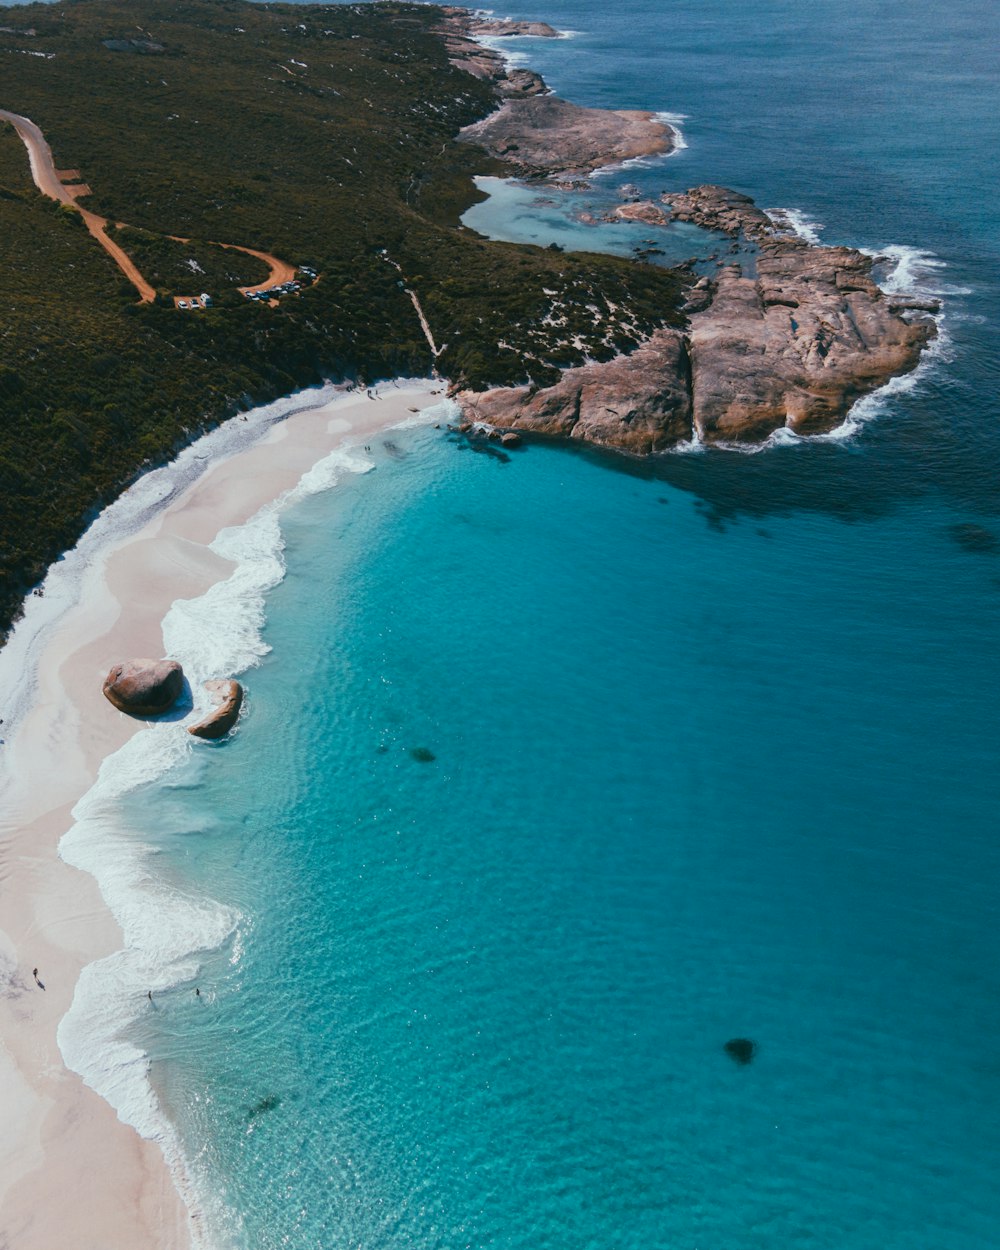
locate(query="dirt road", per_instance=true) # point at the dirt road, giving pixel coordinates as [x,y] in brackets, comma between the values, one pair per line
[46,178]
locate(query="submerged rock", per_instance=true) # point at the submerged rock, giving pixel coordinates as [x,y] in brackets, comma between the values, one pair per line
[219,721]
[975,538]
[741,1050]
[144,687]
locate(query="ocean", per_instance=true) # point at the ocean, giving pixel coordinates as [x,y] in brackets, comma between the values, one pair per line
[562,770]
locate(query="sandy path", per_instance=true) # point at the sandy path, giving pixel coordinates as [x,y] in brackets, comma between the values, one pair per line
[71,1174]
[281,271]
[46,177]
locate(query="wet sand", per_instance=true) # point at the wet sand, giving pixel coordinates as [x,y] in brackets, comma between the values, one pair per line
[72,1174]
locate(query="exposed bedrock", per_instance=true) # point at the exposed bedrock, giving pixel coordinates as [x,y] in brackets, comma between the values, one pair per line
[796,345]
[144,687]
[229,698]
[792,347]
[640,403]
[502,27]
[542,135]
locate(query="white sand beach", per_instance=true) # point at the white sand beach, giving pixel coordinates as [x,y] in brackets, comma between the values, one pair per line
[72,1174]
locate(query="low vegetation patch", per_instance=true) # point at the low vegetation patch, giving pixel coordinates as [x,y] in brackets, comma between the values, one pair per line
[323,135]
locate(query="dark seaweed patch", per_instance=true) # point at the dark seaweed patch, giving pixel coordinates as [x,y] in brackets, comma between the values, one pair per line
[975,538]
[267,1103]
[741,1050]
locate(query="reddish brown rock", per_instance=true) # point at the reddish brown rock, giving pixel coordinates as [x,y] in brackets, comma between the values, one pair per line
[796,345]
[542,135]
[511,439]
[720,208]
[229,695]
[144,687]
[640,403]
[645,211]
[503,27]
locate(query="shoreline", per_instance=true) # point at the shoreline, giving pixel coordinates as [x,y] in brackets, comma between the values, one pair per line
[108,604]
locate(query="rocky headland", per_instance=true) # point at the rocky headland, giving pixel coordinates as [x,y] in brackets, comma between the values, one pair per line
[789,337]
[540,135]
[791,345]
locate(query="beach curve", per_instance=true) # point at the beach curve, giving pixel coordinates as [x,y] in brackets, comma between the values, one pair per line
[55,919]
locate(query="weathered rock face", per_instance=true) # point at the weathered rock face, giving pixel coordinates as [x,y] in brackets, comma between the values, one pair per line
[144,687]
[796,345]
[498,28]
[719,208]
[791,347]
[640,403]
[229,695]
[642,210]
[542,135]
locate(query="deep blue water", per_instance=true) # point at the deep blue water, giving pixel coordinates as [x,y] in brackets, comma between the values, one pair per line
[714,755]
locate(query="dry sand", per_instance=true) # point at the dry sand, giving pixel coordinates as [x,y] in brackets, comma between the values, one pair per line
[71,1174]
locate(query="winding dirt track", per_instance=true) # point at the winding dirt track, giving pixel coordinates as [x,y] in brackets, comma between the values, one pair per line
[43,171]
[281,270]
[47,179]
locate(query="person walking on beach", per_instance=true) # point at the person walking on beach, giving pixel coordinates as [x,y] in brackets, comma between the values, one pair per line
[34,973]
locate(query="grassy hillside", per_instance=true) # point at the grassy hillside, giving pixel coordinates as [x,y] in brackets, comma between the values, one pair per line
[323,135]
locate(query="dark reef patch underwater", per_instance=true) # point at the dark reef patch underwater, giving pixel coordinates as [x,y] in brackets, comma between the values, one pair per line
[741,1050]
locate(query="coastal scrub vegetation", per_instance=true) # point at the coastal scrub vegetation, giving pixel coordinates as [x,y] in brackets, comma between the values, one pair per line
[183,267]
[324,135]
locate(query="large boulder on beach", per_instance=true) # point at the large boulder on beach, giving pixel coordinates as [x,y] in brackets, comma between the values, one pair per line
[144,687]
[229,696]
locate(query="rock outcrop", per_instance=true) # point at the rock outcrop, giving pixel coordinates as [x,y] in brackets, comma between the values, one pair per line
[642,210]
[795,345]
[229,697]
[639,403]
[144,687]
[542,136]
[792,345]
[504,27]
[537,134]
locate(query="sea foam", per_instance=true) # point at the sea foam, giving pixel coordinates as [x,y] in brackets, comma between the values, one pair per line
[899,270]
[64,582]
[675,121]
[166,930]
[794,221]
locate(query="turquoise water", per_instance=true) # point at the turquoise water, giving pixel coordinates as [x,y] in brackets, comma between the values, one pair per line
[564,770]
